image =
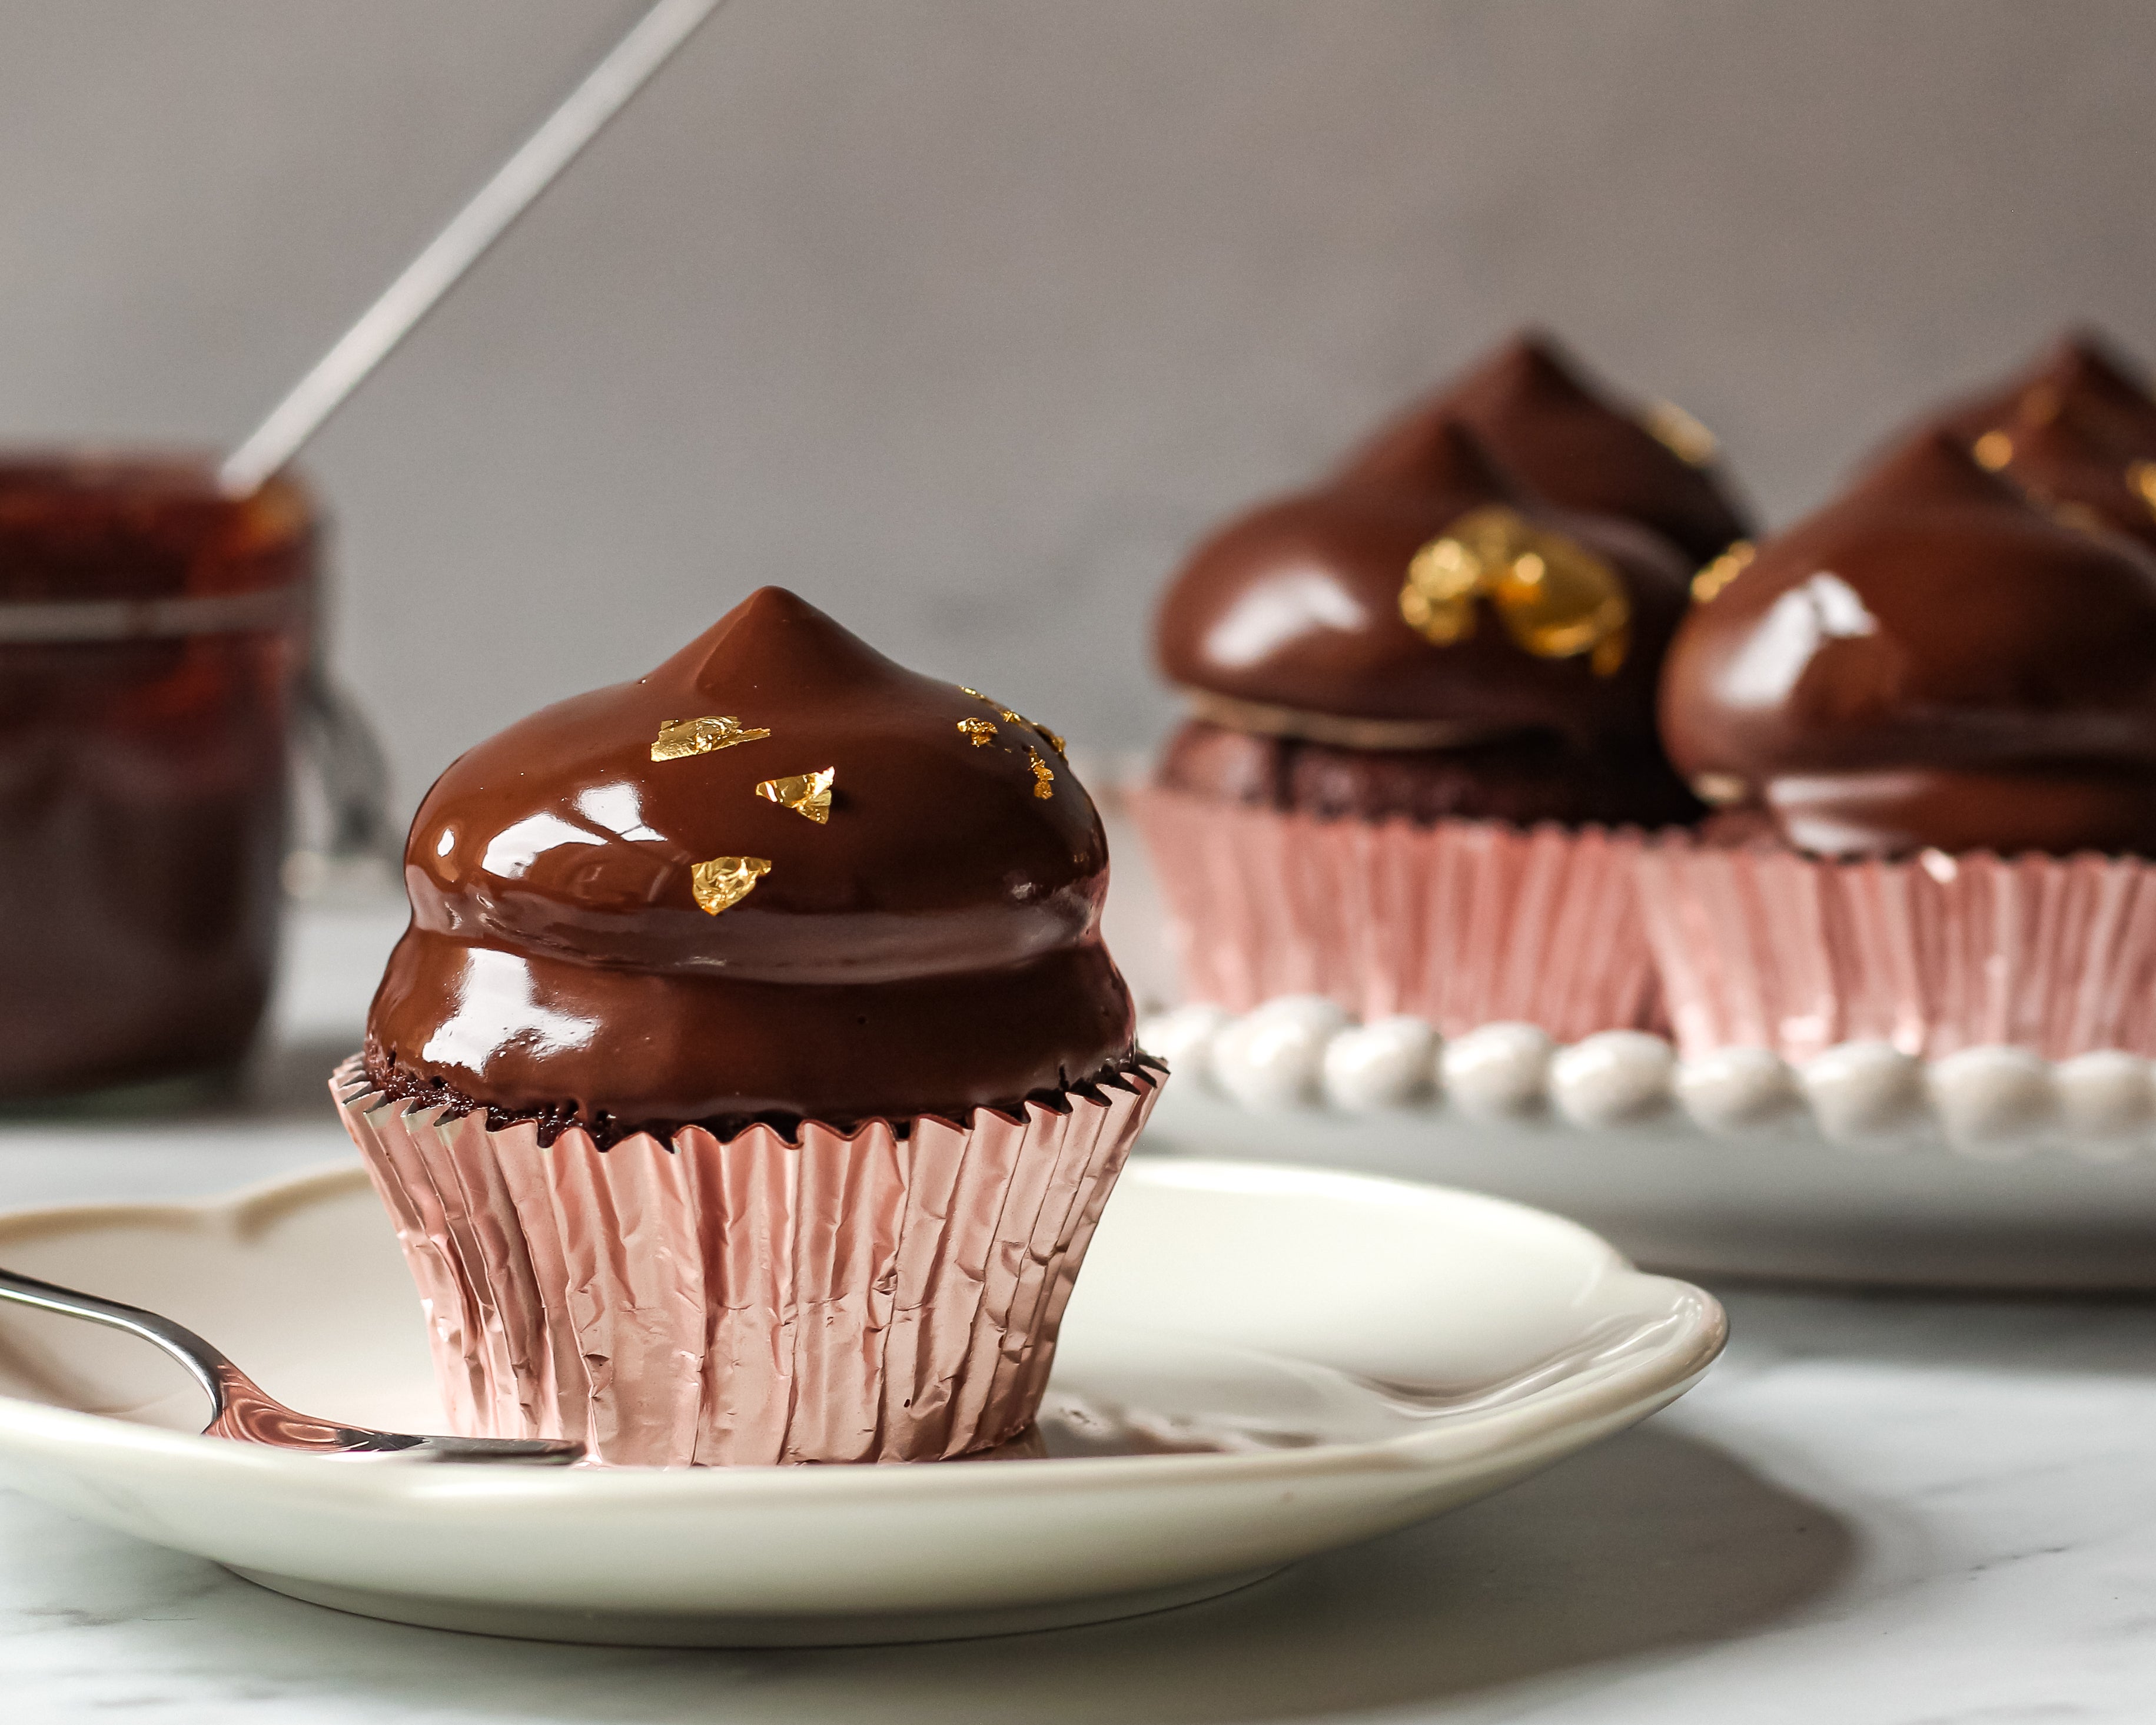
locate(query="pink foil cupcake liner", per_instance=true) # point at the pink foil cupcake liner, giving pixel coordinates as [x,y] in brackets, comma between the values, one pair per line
[1764,948]
[855,1296]
[1460,922]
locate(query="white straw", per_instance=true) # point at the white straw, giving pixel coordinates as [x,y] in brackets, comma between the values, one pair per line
[474,228]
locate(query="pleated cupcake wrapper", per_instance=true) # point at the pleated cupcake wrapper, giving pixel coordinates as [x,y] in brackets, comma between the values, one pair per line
[1762,948]
[855,1296]
[1460,922]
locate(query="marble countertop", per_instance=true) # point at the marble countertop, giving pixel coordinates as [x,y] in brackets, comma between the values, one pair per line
[1877,1510]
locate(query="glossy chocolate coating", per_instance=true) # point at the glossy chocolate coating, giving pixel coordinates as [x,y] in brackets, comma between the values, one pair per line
[1932,661]
[1567,443]
[935,947]
[1296,606]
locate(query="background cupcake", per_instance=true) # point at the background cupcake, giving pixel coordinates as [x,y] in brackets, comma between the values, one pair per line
[753,1074]
[1420,698]
[1928,714]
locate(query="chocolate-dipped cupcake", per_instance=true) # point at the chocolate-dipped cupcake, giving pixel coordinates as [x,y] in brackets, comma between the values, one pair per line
[752,1073]
[1929,711]
[1390,675]
[1571,444]
[2076,431]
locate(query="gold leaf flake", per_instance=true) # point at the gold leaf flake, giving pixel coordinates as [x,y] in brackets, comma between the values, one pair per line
[1043,776]
[1723,570]
[808,793]
[2141,478]
[1683,436]
[1556,598]
[680,738]
[971,726]
[725,881]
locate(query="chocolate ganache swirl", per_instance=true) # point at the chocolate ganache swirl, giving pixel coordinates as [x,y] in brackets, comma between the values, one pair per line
[779,877]
[1931,661]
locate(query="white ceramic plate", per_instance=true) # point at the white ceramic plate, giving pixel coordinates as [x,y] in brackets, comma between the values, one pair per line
[1298,1359]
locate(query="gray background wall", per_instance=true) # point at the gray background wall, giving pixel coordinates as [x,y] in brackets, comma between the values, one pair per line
[963,316]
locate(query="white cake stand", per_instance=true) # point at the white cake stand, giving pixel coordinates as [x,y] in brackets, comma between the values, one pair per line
[1990,1169]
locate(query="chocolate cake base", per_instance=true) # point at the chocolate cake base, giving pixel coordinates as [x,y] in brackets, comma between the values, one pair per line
[1522,779]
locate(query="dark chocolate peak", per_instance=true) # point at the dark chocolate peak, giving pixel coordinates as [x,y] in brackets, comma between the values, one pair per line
[1330,606]
[2081,375]
[1444,459]
[1933,469]
[1569,443]
[1933,660]
[2062,461]
[780,874]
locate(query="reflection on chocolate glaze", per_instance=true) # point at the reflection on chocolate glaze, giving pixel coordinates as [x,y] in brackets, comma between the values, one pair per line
[1530,407]
[1932,660]
[931,946]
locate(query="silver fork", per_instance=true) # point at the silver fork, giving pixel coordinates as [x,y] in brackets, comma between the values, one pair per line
[241,1409]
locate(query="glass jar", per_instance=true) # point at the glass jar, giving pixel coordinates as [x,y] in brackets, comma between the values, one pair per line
[155,657]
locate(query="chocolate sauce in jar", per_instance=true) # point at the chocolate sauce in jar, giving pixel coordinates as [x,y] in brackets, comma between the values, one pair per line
[152,634]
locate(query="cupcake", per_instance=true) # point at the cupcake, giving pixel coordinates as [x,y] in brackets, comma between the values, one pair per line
[752,1075]
[1927,714]
[2076,433]
[1420,702]
[1571,446]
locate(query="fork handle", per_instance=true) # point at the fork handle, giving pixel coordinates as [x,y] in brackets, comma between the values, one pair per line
[216,1375]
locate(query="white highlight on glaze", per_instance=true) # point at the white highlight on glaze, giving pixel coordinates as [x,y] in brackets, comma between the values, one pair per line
[497,1009]
[1280,611]
[1499,1068]
[1611,1077]
[1302,1051]
[618,808]
[1824,608]
[513,849]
